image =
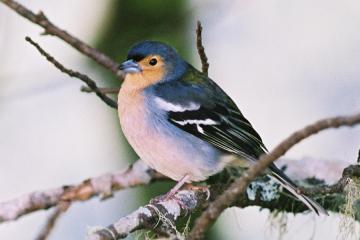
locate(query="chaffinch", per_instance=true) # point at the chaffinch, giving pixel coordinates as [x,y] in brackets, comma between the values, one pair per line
[182,124]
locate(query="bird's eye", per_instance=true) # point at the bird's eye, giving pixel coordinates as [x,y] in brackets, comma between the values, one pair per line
[153,62]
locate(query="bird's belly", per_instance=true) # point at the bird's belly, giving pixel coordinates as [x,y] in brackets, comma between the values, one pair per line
[168,149]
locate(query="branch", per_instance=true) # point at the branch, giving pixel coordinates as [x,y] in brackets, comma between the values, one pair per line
[201,49]
[52,220]
[140,174]
[239,186]
[159,217]
[137,174]
[103,90]
[41,20]
[91,83]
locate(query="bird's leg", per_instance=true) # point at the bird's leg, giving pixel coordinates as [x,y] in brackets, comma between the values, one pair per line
[170,195]
[176,188]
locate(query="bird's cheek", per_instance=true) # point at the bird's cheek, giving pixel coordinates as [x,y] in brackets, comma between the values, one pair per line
[154,76]
[133,81]
[133,77]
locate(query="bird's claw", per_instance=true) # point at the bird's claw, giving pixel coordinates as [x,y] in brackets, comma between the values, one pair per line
[170,197]
[201,188]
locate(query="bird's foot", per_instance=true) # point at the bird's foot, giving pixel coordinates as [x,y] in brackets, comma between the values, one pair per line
[200,188]
[158,199]
[170,197]
[166,197]
[171,194]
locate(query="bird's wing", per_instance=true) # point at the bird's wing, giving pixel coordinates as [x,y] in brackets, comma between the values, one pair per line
[225,128]
[206,112]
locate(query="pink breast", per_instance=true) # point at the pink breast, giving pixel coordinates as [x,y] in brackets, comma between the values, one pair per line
[159,149]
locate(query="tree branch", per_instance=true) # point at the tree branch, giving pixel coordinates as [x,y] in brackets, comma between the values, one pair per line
[159,217]
[52,220]
[162,216]
[260,193]
[201,49]
[103,90]
[41,20]
[91,83]
[137,174]
[239,186]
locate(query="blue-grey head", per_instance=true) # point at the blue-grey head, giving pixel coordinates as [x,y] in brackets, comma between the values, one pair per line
[151,62]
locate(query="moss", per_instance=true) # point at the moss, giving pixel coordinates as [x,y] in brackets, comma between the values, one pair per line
[277,221]
[349,228]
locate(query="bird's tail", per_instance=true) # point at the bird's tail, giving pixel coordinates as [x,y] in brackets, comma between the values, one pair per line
[292,188]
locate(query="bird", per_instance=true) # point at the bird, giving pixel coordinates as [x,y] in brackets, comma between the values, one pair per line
[182,124]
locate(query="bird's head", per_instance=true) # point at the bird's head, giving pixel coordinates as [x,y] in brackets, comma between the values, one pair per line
[151,62]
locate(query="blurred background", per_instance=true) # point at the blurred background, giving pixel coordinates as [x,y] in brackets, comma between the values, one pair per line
[285,63]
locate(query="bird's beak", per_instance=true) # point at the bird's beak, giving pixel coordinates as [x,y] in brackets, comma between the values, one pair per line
[130,66]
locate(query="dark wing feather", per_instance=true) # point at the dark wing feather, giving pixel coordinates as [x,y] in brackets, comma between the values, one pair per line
[231,132]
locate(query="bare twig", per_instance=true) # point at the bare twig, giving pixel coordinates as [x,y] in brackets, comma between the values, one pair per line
[91,83]
[52,220]
[41,20]
[137,174]
[103,90]
[201,49]
[338,187]
[239,186]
